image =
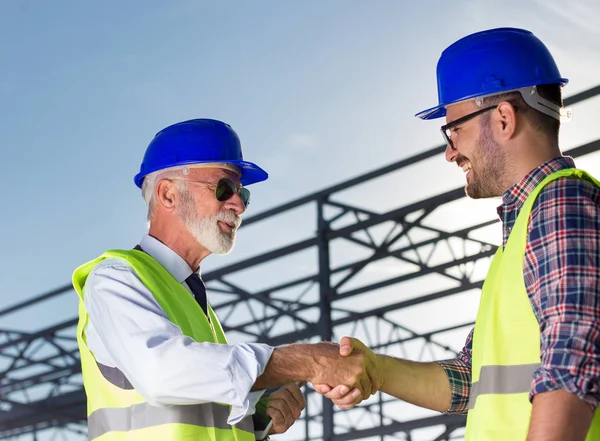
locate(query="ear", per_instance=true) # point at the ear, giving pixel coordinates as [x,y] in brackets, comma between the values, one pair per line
[166,194]
[505,121]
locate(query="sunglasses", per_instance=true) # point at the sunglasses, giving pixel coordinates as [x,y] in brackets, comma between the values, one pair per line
[226,188]
[447,129]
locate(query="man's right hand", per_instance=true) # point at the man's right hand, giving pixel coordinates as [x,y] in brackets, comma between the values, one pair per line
[326,363]
[352,372]
[346,395]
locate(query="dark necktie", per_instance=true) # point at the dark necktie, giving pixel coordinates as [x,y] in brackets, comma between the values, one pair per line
[196,285]
[199,290]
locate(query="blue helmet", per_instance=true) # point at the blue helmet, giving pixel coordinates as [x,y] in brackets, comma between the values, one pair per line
[491,62]
[197,141]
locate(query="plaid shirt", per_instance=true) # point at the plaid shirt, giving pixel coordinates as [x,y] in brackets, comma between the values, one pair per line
[562,276]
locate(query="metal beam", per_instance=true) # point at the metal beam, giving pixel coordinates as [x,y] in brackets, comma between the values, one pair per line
[56,366]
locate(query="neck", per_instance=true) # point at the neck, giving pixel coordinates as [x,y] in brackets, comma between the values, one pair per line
[173,234]
[528,153]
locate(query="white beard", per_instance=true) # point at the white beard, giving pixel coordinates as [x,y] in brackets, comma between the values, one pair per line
[206,230]
[208,234]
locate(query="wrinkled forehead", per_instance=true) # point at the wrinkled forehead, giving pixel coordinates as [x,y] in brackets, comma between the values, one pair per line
[216,165]
[213,171]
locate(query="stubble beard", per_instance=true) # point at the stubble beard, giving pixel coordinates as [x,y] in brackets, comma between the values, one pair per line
[489,171]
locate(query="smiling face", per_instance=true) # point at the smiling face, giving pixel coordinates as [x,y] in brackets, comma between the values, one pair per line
[211,222]
[475,150]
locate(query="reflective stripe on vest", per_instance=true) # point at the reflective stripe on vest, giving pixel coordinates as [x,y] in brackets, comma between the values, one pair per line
[506,340]
[116,411]
[144,415]
[503,380]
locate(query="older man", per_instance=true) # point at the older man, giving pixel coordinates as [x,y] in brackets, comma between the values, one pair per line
[156,363]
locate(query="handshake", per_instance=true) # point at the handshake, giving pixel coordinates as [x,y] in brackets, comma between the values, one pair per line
[347,373]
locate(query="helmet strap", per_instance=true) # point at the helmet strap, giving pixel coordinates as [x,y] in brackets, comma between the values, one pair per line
[533,99]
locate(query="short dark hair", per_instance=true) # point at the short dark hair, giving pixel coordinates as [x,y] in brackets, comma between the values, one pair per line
[538,120]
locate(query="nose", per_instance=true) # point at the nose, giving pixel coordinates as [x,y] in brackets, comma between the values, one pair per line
[235,204]
[451,153]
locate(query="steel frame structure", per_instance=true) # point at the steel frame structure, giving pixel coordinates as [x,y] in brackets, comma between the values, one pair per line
[41,395]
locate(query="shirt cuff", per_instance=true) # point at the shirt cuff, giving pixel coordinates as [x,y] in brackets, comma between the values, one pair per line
[248,363]
[459,377]
[584,387]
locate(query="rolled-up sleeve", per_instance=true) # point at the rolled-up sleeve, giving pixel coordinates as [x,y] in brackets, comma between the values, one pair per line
[562,275]
[458,371]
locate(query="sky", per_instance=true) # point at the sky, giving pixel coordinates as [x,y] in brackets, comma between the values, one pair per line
[318,91]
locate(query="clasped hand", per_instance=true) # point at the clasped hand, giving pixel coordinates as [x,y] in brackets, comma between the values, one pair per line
[356,377]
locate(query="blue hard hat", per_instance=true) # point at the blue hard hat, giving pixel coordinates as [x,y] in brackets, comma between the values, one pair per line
[491,62]
[197,141]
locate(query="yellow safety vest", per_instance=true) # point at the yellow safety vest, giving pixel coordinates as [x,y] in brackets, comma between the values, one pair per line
[506,340]
[119,413]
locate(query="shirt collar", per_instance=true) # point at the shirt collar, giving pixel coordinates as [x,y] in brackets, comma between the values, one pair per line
[515,197]
[169,259]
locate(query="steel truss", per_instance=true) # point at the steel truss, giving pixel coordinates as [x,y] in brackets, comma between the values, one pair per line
[352,275]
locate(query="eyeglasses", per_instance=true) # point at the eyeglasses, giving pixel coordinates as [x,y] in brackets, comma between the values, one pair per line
[225,189]
[447,129]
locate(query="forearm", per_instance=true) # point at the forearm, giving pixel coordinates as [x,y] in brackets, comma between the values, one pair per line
[288,364]
[423,384]
[318,363]
[559,416]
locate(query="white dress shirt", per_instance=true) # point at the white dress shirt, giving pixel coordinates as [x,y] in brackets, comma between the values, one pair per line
[128,329]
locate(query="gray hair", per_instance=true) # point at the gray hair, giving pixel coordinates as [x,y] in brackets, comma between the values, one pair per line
[150,181]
